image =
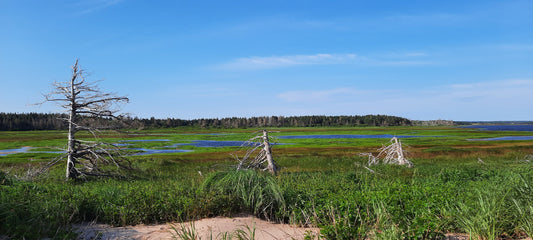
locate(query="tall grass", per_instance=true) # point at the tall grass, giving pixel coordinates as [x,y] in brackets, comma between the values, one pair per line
[256,192]
[523,202]
[484,218]
[344,200]
[385,228]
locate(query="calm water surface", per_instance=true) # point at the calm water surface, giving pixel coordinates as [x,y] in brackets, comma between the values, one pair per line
[5,152]
[346,136]
[522,128]
[512,138]
[147,151]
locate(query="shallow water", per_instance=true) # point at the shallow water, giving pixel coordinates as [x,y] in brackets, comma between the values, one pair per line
[515,138]
[524,127]
[5,152]
[146,151]
[346,136]
[210,143]
[147,140]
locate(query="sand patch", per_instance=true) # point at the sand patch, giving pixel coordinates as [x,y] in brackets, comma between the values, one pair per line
[210,228]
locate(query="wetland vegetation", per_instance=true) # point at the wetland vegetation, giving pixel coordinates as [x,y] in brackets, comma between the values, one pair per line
[322,182]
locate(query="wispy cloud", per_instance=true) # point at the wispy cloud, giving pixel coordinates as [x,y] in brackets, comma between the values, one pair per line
[506,91]
[256,63]
[90,6]
[491,100]
[428,19]
[260,63]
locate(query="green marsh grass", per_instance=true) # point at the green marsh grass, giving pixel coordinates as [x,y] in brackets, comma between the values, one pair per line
[322,183]
[258,193]
[484,220]
[523,202]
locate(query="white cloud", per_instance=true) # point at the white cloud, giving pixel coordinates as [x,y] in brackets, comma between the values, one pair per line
[399,63]
[260,63]
[428,19]
[90,6]
[492,100]
[256,63]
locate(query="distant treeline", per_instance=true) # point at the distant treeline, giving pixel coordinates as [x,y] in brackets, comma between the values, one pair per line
[280,121]
[433,123]
[52,121]
[31,121]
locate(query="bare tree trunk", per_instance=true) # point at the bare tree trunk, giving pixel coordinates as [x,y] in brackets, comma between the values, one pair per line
[85,105]
[258,154]
[399,151]
[70,151]
[396,149]
[71,170]
[270,161]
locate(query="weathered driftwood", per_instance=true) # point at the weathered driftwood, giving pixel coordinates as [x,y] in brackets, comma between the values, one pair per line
[83,100]
[257,154]
[389,154]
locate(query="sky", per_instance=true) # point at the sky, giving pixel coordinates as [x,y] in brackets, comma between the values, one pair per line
[422,60]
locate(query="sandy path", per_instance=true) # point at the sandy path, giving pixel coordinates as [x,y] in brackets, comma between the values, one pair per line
[205,228]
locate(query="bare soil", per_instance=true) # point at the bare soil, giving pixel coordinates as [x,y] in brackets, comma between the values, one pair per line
[210,228]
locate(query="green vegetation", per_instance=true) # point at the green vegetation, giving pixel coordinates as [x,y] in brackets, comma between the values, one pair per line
[47,121]
[188,232]
[322,183]
[258,193]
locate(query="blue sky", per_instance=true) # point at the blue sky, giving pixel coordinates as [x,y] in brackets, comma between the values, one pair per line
[459,60]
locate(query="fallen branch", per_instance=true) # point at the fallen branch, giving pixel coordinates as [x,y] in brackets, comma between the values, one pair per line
[389,154]
[258,154]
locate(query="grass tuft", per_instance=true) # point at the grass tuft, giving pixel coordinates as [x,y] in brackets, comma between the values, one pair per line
[482,219]
[184,232]
[523,202]
[257,192]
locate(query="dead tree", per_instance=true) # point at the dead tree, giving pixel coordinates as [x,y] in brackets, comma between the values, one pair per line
[86,106]
[258,154]
[389,154]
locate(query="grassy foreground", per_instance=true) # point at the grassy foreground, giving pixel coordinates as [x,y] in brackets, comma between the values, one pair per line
[322,183]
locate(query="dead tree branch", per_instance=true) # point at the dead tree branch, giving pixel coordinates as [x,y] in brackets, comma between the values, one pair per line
[389,154]
[257,154]
[85,104]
